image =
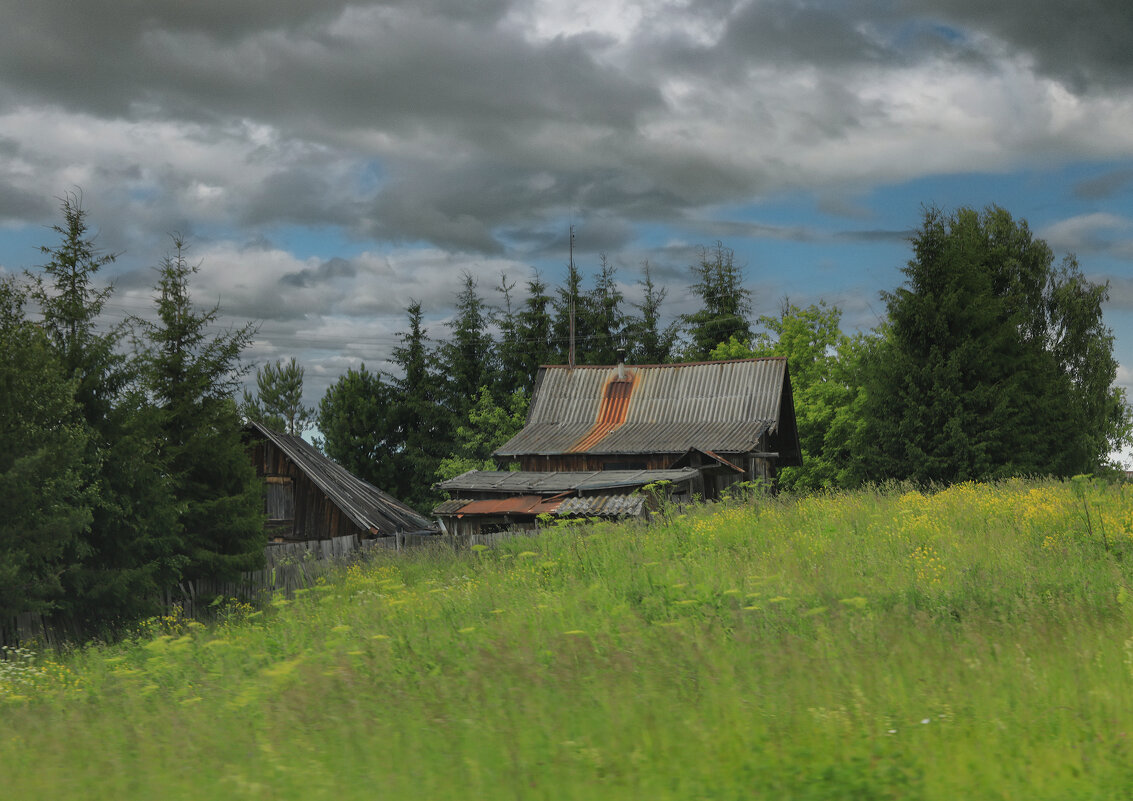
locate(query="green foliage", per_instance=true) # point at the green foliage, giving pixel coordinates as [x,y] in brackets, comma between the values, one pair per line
[124,557]
[824,366]
[489,426]
[533,338]
[570,296]
[356,418]
[608,322]
[879,644]
[725,304]
[278,402]
[192,375]
[421,420]
[648,342]
[467,359]
[994,363]
[44,476]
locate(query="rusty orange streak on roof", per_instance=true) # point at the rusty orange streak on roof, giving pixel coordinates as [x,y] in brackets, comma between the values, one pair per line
[611,413]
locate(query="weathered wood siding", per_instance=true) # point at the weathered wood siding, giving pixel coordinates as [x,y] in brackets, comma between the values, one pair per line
[290,495]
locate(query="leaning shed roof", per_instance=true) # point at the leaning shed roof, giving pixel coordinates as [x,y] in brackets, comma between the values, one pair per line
[713,406]
[524,482]
[371,509]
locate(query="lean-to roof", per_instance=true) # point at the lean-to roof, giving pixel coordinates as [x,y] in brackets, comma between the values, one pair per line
[368,507]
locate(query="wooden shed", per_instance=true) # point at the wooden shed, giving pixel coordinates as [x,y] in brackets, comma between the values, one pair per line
[310,497]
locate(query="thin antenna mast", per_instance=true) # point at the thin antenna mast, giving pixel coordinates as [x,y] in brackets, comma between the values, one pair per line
[570,280]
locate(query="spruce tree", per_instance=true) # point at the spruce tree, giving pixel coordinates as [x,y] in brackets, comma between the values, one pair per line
[608,321]
[130,549]
[534,332]
[994,363]
[648,343]
[571,297]
[510,350]
[193,375]
[421,420]
[45,481]
[725,304]
[467,359]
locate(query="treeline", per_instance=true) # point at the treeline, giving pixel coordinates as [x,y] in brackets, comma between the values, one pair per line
[122,470]
[447,404]
[992,361]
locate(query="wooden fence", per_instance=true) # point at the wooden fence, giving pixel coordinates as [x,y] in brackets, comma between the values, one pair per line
[288,567]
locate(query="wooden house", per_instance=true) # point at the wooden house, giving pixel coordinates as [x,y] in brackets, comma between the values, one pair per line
[719,422]
[310,497]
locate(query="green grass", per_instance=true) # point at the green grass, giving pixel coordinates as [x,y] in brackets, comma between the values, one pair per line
[973,643]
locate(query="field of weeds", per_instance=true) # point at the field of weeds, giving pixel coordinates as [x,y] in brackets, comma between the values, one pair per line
[975,642]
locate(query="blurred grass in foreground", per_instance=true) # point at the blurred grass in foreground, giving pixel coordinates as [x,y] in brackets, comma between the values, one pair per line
[976,642]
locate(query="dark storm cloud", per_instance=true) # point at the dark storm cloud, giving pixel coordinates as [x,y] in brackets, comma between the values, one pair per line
[327,271]
[1084,44]
[488,132]
[302,195]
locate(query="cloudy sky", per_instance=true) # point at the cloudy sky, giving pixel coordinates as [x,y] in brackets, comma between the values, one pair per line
[330,161]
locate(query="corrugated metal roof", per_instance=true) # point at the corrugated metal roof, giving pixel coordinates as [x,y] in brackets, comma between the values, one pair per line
[603,506]
[549,483]
[590,506]
[370,508]
[714,406]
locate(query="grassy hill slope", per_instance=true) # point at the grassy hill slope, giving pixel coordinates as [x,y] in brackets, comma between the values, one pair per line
[976,642]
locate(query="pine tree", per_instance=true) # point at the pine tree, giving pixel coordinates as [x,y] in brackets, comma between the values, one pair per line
[193,376]
[278,402]
[45,481]
[129,551]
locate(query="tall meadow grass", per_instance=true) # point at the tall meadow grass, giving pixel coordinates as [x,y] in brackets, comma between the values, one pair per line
[973,642]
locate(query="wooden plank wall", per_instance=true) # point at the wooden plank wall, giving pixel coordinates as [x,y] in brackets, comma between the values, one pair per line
[289,567]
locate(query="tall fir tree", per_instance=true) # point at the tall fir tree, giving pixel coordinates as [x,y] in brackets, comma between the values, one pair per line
[571,301]
[534,332]
[648,342]
[45,481]
[510,350]
[994,363]
[423,423]
[725,304]
[130,549]
[608,321]
[193,375]
[467,359]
